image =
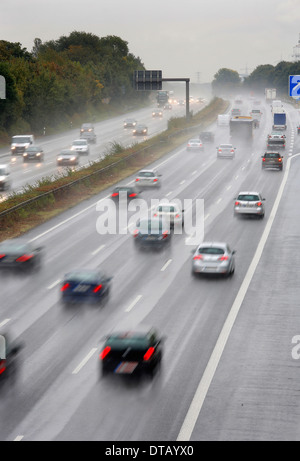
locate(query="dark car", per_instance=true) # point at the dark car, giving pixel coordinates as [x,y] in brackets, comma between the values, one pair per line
[207,136]
[134,352]
[157,113]
[130,123]
[124,192]
[152,232]
[9,359]
[87,131]
[35,153]
[272,160]
[67,157]
[141,130]
[19,254]
[85,285]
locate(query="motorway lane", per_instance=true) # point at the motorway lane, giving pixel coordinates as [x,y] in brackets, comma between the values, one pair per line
[51,388]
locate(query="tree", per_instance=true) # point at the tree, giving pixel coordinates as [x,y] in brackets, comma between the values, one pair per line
[226,81]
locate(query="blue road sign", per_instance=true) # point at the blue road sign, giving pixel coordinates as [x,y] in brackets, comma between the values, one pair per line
[294,86]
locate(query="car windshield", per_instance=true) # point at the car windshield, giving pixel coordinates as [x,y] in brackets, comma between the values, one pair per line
[79,143]
[21,139]
[146,174]
[248,198]
[33,149]
[194,140]
[211,251]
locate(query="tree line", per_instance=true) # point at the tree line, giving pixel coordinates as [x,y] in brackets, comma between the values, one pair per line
[64,82]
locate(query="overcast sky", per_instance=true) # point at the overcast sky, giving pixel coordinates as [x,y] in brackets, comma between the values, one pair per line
[188,39]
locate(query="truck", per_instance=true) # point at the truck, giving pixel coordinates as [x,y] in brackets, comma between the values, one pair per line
[279,119]
[241,129]
[256,115]
[270,94]
[223,119]
[162,98]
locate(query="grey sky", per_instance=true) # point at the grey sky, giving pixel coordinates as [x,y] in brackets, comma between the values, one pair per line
[180,38]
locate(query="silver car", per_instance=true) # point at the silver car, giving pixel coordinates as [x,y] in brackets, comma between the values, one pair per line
[171,212]
[148,178]
[195,144]
[67,157]
[249,203]
[226,151]
[81,146]
[213,258]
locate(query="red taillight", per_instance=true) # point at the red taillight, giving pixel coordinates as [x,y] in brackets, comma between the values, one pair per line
[165,234]
[177,216]
[237,203]
[105,352]
[65,287]
[115,194]
[259,204]
[24,258]
[132,195]
[223,258]
[2,256]
[2,366]
[197,257]
[280,160]
[264,159]
[135,233]
[155,215]
[154,180]
[149,353]
[137,179]
[97,288]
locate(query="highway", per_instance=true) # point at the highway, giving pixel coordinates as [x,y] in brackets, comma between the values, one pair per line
[250,389]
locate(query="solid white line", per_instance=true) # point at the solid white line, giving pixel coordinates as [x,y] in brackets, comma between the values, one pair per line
[182,182]
[98,249]
[4,322]
[133,303]
[84,361]
[53,285]
[18,438]
[166,265]
[219,200]
[203,387]
[229,187]
[194,172]
[207,216]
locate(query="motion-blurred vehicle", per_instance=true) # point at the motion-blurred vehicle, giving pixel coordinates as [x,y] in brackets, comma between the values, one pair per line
[85,285]
[276,141]
[238,100]
[157,113]
[298,129]
[20,142]
[272,160]
[87,131]
[249,204]
[152,232]
[140,130]
[20,254]
[235,111]
[134,352]
[181,102]
[67,157]
[213,258]
[171,212]
[81,146]
[127,192]
[5,177]
[35,153]
[207,136]
[168,107]
[148,178]
[194,144]
[130,123]
[226,151]
[9,358]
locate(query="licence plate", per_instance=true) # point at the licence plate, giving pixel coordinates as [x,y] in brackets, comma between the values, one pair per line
[9,259]
[126,367]
[81,288]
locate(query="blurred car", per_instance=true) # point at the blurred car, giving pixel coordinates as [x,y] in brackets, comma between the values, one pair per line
[213,258]
[148,178]
[181,102]
[157,113]
[20,142]
[152,232]
[276,141]
[134,352]
[257,102]
[67,157]
[19,254]
[81,146]
[168,107]
[207,136]
[140,130]
[84,285]
[130,123]
[171,212]
[35,153]
[9,358]
[249,203]
[87,131]
[272,160]
[226,151]
[194,144]
[129,192]
[235,112]
[5,177]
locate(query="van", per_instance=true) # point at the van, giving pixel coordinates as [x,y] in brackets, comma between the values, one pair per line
[5,180]
[20,142]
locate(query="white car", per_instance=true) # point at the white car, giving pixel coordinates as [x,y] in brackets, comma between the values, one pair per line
[249,203]
[81,146]
[213,258]
[20,143]
[171,212]
[5,180]
[226,151]
[148,178]
[195,144]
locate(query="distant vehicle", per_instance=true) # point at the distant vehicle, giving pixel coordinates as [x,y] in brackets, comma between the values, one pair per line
[223,119]
[226,151]
[249,204]
[207,136]
[270,94]
[5,177]
[162,98]
[19,254]
[9,359]
[213,258]
[35,153]
[135,352]
[81,146]
[168,107]
[67,157]
[256,116]
[140,130]
[279,119]
[128,192]
[235,111]
[171,212]
[194,144]
[20,143]
[298,129]
[148,178]
[85,285]
[130,123]
[181,102]
[238,100]
[87,131]
[157,113]
[272,160]
[241,130]
[152,233]
[257,102]
[276,141]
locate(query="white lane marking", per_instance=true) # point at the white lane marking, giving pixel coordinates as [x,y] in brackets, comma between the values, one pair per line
[166,265]
[97,250]
[84,361]
[219,200]
[229,187]
[18,438]
[207,377]
[4,322]
[133,303]
[169,193]
[182,182]
[49,163]
[207,216]
[194,172]
[27,171]
[53,284]
[236,177]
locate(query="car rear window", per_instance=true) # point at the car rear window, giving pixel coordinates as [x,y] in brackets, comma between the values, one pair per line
[211,251]
[272,155]
[123,342]
[166,209]
[248,198]
[146,174]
